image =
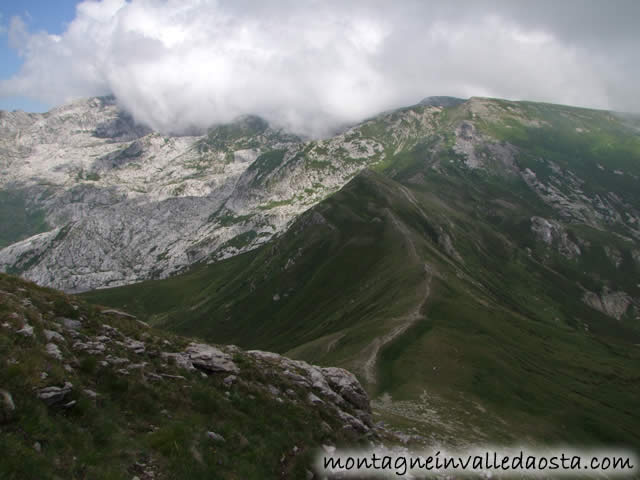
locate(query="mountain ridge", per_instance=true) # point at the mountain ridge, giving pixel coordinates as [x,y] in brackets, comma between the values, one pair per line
[127,189]
[532,313]
[149,206]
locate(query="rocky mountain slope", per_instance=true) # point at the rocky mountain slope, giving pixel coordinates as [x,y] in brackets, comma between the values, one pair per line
[90,199]
[95,393]
[482,281]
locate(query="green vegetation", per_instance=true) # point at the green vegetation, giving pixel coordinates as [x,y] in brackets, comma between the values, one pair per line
[249,132]
[463,314]
[18,220]
[319,164]
[239,134]
[241,241]
[136,422]
[496,322]
[275,204]
[267,162]
[90,176]
[231,219]
[578,140]
[513,341]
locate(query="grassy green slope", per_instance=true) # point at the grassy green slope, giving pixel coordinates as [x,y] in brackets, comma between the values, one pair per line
[281,293]
[513,345]
[489,341]
[18,222]
[137,413]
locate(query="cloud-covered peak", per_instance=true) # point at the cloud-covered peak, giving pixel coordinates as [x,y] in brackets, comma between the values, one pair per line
[310,66]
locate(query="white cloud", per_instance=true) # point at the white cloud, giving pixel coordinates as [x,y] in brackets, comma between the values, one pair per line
[308,66]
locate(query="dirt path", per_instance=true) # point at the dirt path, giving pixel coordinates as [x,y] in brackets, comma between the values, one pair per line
[406,234]
[406,321]
[409,196]
[333,342]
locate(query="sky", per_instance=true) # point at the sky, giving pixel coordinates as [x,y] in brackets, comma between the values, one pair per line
[50,16]
[309,65]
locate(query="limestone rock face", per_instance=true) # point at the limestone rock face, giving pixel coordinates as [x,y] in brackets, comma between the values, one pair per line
[53,350]
[119,203]
[613,304]
[26,330]
[554,234]
[53,336]
[333,386]
[465,135]
[109,202]
[347,386]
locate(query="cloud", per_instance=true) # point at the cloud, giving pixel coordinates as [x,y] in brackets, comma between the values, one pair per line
[310,65]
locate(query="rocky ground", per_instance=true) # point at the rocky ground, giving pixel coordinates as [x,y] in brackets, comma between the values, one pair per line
[89,392]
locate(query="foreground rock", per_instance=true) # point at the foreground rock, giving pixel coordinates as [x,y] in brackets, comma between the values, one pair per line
[613,304]
[55,395]
[203,357]
[336,387]
[169,401]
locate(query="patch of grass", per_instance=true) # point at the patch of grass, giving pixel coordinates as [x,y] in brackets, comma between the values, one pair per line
[267,162]
[318,164]
[240,134]
[19,220]
[231,219]
[275,204]
[242,240]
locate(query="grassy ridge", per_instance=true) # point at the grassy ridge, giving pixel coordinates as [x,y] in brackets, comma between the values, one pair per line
[521,354]
[504,329]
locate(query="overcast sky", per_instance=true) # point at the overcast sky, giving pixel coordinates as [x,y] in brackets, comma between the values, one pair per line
[312,65]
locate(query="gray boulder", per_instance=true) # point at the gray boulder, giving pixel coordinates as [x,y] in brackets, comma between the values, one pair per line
[26,330]
[53,351]
[50,335]
[92,347]
[7,407]
[54,395]
[205,357]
